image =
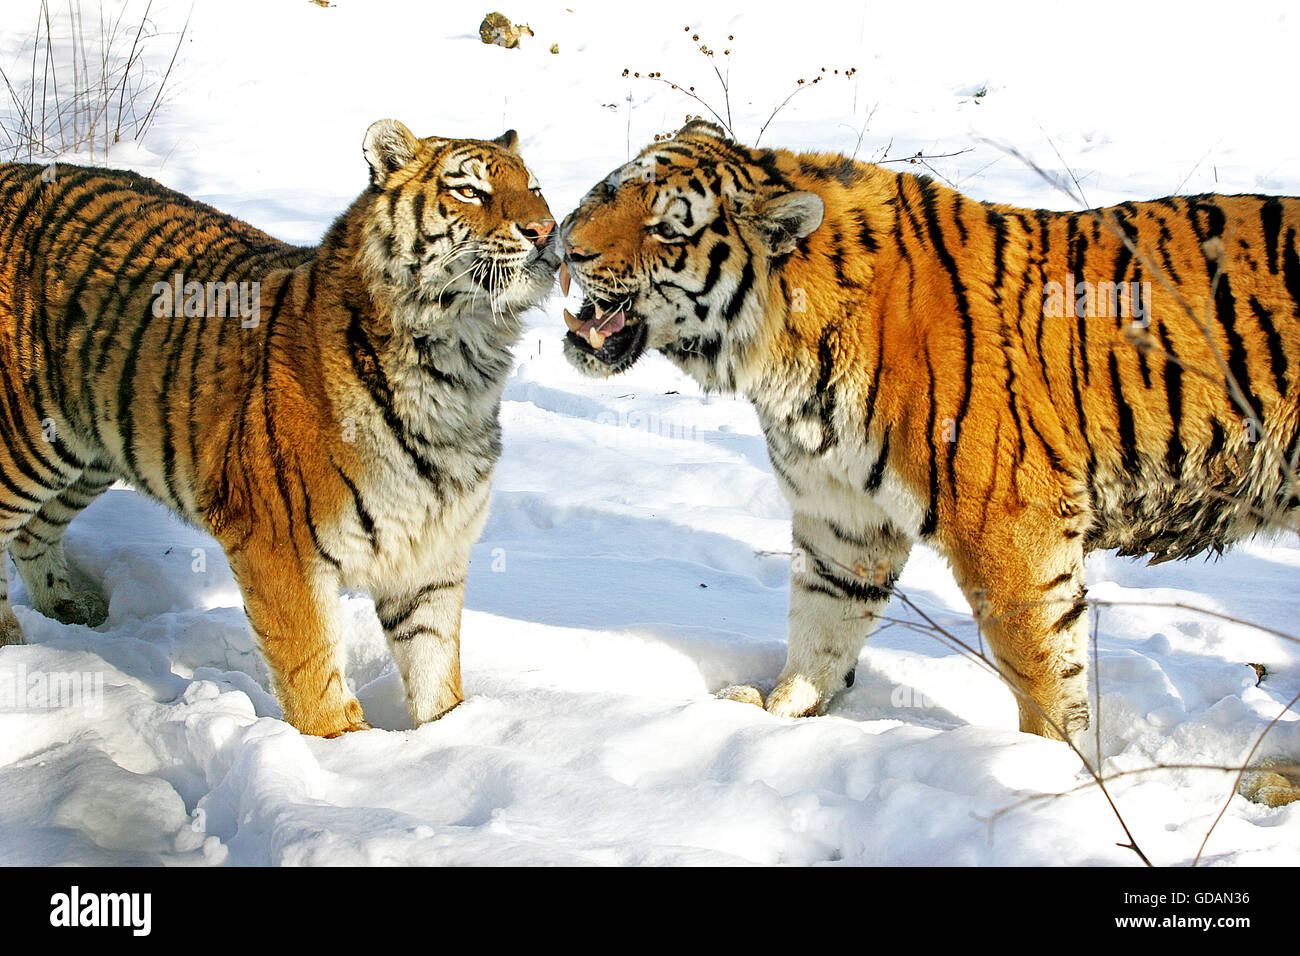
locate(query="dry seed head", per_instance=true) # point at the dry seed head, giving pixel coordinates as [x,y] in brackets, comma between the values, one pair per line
[880,572]
[1139,337]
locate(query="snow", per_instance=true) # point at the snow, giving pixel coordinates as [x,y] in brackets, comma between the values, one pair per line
[633,564]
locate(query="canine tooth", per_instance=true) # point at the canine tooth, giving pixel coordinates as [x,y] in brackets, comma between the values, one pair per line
[572,321]
[596,339]
[600,313]
[564,278]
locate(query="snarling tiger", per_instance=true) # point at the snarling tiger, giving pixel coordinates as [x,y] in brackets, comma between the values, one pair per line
[1013,387]
[337,427]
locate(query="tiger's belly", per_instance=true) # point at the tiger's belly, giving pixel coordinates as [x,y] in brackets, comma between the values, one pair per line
[1211,504]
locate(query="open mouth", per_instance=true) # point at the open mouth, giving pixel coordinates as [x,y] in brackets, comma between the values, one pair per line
[607,334]
[606,331]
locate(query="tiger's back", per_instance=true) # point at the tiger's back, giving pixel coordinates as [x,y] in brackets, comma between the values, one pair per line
[88,335]
[1145,353]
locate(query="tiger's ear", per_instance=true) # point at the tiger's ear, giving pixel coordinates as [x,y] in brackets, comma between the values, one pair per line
[509,140]
[388,147]
[701,127]
[787,218]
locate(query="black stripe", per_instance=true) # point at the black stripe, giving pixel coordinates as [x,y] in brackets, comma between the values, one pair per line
[311,524]
[1276,351]
[1225,307]
[1174,451]
[865,234]
[1124,419]
[737,299]
[1076,611]
[931,519]
[278,452]
[717,256]
[1270,217]
[363,515]
[1291,271]
[824,394]
[1076,258]
[877,474]
[391,619]
[411,633]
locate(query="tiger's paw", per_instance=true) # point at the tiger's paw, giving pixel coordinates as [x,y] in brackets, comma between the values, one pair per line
[741,694]
[80,607]
[329,722]
[350,728]
[796,696]
[427,711]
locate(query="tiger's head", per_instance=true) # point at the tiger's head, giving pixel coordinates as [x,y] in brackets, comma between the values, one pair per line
[675,251]
[452,228]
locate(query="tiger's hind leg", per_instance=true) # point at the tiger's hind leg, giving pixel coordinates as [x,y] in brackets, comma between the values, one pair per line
[37,551]
[1027,592]
[15,511]
[28,482]
[10,631]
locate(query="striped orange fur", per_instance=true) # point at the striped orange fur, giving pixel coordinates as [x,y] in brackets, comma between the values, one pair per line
[1014,387]
[337,426]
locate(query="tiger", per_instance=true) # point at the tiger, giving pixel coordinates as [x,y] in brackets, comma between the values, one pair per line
[337,428]
[926,368]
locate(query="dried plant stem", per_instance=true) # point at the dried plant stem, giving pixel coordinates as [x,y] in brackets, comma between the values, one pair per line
[86,81]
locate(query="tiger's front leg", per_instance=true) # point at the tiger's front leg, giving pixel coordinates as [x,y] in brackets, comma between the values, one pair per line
[841,578]
[292,607]
[422,624]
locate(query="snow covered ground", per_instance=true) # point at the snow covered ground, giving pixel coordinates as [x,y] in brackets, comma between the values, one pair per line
[632,566]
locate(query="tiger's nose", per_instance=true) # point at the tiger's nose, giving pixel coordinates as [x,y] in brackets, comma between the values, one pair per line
[538,232]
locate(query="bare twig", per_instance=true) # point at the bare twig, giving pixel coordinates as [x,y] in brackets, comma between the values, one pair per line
[85,75]
[724,81]
[1237,780]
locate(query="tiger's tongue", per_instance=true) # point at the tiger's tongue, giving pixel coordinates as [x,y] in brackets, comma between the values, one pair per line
[609,323]
[596,329]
